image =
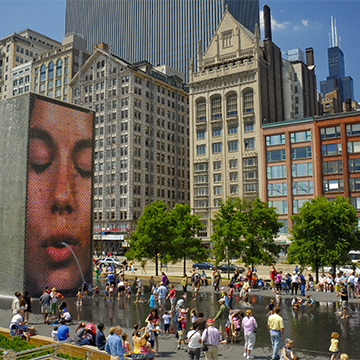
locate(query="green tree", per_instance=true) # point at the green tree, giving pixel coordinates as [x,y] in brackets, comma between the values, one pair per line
[186,243]
[259,246]
[152,237]
[247,229]
[323,233]
[230,225]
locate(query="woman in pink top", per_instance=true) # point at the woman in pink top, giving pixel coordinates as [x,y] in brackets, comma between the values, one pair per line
[249,325]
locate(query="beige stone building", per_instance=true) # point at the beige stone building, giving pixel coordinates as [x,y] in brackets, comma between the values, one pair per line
[52,70]
[141,139]
[238,86]
[20,48]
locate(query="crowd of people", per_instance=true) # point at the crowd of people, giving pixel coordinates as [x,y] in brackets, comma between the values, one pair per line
[168,314]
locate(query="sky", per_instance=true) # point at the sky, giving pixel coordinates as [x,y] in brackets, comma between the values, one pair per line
[295,24]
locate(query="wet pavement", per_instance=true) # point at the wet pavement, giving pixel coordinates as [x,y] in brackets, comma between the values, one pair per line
[309,328]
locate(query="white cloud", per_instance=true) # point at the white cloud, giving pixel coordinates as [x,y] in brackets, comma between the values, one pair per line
[274,24]
[305,22]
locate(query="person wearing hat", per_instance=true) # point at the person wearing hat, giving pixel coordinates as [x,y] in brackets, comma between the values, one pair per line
[223,315]
[211,337]
[286,352]
[276,328]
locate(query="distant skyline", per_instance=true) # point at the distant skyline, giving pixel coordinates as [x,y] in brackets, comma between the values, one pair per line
[295,24]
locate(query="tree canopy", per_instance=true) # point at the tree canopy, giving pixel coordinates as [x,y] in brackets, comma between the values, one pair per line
[166,234]
[323,233]
[247,229]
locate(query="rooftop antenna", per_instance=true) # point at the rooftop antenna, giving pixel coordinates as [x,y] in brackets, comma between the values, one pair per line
[336,38]
[332,31]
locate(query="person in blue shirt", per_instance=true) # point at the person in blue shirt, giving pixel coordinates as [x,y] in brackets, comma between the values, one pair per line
[114,345]
[152,301]
[63,332]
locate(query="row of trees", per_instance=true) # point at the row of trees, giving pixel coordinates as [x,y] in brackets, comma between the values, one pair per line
[323,233]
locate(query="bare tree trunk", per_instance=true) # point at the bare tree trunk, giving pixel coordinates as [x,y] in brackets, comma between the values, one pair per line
[156,265]
[184,264]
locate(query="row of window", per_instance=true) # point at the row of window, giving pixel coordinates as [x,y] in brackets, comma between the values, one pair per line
[279,171]
[232,146]
[232,129]
[295,137]
[298,188]
[50,70]
[233,164]
[281,206]
[231,105]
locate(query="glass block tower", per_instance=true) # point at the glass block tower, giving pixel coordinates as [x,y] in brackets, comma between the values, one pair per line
[159,31]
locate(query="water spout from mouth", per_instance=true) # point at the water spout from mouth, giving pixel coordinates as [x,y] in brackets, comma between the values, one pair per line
[77,261]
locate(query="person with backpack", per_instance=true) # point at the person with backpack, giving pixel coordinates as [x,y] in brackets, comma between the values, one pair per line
[302,284]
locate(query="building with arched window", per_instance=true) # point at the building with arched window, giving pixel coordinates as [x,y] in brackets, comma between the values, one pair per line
[53,70]
[237,87]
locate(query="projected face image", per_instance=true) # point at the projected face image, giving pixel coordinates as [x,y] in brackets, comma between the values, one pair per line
[58,197]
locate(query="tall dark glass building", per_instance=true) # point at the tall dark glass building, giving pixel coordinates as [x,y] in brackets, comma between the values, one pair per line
[159,31]
[337,72]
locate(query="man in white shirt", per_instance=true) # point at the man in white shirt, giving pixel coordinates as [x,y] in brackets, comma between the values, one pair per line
[294,283]
[194,344]
[351,285]
[321,284]
[162,295]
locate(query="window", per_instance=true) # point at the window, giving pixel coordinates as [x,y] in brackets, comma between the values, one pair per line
[201,203]
[233,164]
[303,187]
[248,97]
[201,150]
[276,155]
[300,136]
[297,204]
[249,175]
[51,70]
[217,165]
[334,149]
[201,110]
[233,129]
[353,129]
[353,146]
[354,165]
[334,167]
[226,37]
[42,72]
[200,134]
[251,188]
[233,176]
[355,202]
[59,67]
[231,104]
[277,189]
[233,145]
[354,184]
[251,161]
[216,107]
[202,191]
[276,172]
[217,203]
[201,167]
[330,132]
[302,169]
[275,140]
[216,132]
[234,189]
[249,143]
[216,148]
[201,179]
[248,126]
[217,190]
[217,177]
[280,206]
[301,152]
[333,185]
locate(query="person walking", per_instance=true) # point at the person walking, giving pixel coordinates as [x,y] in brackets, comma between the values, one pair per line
[276,329]
[272,278]
[223,316]
[184,283]
[114,345]
[211,338]
[302,284]
[249,326]
[194,343]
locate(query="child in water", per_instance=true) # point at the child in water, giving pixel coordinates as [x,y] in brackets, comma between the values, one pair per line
[106,293]
[79,297]
[270,307]
[334,346]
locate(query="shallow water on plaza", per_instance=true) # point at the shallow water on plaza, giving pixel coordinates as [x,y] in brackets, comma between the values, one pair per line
[309,328]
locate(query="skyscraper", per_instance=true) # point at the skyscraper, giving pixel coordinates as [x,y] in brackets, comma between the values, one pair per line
[159,31]
[337,70]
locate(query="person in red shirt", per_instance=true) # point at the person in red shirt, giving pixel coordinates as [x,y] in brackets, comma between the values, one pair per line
[249,275]
[172,296]
[272,278]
